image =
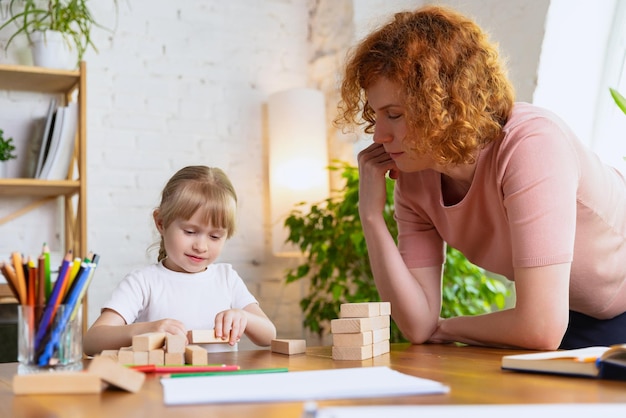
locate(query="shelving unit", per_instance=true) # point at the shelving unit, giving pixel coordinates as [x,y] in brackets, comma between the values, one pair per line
[73,190]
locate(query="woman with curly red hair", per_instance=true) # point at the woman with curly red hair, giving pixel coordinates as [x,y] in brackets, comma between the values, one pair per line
[506,183]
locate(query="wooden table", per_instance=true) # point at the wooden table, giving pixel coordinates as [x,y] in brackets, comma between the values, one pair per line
[472,373]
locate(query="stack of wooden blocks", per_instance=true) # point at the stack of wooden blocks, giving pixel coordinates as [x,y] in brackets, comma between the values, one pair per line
[160,348]
[362,331]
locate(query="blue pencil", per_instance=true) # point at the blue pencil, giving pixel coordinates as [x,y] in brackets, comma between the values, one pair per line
[54,300]
[73,300]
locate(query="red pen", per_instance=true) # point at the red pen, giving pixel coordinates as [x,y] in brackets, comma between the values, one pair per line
[152,368]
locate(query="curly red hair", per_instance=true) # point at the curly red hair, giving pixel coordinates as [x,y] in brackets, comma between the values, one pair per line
[458,96]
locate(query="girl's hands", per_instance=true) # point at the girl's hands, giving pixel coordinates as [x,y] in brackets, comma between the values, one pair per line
[171,326]
[230,325]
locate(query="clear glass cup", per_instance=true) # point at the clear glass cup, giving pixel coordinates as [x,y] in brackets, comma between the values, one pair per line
[55,347]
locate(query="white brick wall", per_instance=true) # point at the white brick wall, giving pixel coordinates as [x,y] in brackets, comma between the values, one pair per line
[182,83]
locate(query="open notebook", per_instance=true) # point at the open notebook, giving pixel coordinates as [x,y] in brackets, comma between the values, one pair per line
[598,362]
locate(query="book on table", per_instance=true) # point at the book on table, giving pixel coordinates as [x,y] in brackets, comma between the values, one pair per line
[597,362]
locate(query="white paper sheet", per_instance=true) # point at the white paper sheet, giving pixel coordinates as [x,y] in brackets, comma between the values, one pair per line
[361,382]
[474,411]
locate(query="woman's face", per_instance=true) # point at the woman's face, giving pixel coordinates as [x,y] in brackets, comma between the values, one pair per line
[387,101]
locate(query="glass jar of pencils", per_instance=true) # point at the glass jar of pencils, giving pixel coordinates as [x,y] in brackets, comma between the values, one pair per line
[49,339]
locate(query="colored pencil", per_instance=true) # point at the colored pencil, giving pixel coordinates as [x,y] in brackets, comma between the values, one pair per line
[9,275]
[54,300]
[46,253]
[240,371]
[216,368]
[32,283]
[20,281]
[73,300]
[40,300]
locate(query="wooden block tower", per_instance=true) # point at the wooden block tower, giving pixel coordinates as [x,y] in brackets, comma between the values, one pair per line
[361,331]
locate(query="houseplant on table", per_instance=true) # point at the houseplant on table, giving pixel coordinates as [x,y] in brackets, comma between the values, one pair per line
[337,264]
[65,23]
[6,152]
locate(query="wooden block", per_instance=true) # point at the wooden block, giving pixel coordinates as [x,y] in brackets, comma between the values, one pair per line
[380,348]
[381,334]
[352,325]
[140,358]
[356,339]
[352,353]
[175,343]
[125,355]
[156,357]
[110,353]
[116,374]
[196,355]
[385,308]
[175,359]
[148,341]
[288,346]
[364,310]
[56,383]
[204,336]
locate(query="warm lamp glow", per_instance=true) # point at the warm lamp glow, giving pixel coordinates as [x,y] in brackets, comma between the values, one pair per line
[298,156]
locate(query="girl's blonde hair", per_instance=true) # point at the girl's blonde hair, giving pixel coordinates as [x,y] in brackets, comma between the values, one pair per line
[458,96]
[198,188]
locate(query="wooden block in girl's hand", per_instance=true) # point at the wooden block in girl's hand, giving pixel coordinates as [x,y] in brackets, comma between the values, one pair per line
[204,336]
[56,383]
[116,374]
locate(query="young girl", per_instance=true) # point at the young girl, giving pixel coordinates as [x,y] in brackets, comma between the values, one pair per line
[186,290]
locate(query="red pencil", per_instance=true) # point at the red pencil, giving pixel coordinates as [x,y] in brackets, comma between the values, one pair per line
[151,368]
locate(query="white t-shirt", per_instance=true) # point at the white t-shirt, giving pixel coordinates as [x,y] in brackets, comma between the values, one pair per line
[154,292]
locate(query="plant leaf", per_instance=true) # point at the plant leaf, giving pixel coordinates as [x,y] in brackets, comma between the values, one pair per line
[619,99]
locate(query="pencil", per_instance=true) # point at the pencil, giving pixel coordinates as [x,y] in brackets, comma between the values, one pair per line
[32,282]
[9,275]
[244,371]
[215,368]
[40,300]
[74,271]
[20,280]
[45,351]
[54,300]
[48,281]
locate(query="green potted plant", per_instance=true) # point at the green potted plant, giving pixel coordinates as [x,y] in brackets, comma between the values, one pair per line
[337,264]
[53,22]
[6,152]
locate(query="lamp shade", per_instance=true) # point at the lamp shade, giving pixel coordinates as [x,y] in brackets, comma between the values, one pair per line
[298,156]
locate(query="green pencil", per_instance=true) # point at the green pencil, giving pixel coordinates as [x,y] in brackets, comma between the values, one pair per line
[229,373]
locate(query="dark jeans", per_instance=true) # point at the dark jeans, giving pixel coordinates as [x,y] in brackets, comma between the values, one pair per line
[585,331]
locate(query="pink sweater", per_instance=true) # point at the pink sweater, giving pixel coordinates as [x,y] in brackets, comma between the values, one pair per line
[538,197]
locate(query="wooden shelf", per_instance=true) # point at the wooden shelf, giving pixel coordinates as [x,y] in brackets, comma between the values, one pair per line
[37,79]
[35,187]
[72,193]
